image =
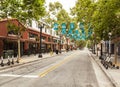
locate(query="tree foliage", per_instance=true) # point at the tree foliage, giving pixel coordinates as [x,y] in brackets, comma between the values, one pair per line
[56,14]
[106,18]
[82,12]
[23,10]
[81,43]
[51,15]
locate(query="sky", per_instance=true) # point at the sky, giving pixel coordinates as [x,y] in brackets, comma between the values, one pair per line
[67,4]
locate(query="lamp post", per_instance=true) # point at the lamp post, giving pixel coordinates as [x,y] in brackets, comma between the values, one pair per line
[40,51]
[109,43]
[60,42]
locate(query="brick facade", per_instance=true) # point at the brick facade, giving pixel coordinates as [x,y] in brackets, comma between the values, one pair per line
[1,46]
[29,40]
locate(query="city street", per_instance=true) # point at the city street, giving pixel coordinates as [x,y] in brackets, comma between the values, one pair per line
[70,69]
[59,43]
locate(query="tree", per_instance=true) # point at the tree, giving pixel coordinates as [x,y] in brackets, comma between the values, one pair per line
[51,15]
[56,14]
[63,17]
[82,12]
[106,18]
[81,43]
[24,11]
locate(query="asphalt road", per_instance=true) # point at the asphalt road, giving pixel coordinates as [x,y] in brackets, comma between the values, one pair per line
[71,69]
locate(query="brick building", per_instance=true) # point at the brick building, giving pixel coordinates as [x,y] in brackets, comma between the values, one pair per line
[29,40]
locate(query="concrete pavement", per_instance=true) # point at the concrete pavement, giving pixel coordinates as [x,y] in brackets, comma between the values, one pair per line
[26,59]
[113,74]
[72,69]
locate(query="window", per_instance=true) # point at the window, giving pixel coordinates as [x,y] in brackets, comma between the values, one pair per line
[32,35]
[49,39]
[45,30]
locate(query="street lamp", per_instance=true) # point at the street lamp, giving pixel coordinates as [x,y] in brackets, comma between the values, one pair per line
[109,43]
[60,42]
[40,27]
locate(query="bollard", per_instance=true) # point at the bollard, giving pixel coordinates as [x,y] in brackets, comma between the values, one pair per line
[2,64]
[8,60]
[12,60]
[17,60]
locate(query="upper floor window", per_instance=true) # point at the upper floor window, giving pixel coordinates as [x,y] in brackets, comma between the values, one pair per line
[12,32]
[49,39]
[43,38]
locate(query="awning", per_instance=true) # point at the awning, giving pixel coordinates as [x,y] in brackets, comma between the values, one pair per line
[2,37]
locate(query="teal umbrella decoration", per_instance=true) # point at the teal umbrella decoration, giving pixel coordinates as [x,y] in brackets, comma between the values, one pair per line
[63,28]
[55,26]
[72,26]
[81,26]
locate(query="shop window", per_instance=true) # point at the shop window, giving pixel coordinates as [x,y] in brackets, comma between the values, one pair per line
[12,32]
[49,39]
[33,36]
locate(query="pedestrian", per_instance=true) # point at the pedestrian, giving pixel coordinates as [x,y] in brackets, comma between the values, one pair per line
[57,49]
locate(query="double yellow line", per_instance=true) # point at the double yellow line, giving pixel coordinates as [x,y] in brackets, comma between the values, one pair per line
[44,73]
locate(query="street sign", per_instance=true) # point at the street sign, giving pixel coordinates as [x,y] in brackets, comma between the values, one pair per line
[55,26]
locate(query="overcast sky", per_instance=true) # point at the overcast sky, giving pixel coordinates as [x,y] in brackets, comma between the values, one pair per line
[67,4]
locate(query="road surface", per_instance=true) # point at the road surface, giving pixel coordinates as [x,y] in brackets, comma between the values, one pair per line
[71,69]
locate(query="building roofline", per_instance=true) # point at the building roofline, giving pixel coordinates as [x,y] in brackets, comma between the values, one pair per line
[27,27]
[6,19]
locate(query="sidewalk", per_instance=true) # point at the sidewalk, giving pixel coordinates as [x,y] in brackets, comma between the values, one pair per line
[25,59]
[113,74]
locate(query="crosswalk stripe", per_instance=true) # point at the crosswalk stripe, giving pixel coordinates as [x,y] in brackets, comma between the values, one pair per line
[25,76]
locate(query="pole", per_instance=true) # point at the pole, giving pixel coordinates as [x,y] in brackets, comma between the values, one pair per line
[60,43]
[67,44]
[101,50]
[40,53]
[109,45]
[94,46]
[18,59]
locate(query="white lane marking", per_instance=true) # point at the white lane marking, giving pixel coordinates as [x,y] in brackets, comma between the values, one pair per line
[25,76]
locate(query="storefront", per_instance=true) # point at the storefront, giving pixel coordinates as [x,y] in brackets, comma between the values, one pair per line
[29,40]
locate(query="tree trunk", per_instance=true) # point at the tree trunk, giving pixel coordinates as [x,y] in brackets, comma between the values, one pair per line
[18,49]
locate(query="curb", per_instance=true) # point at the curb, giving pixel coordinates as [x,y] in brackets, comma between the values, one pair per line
[105,71]
[19,64]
